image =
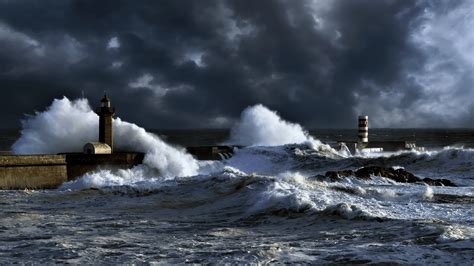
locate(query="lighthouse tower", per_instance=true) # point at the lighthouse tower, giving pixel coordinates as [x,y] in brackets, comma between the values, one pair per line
[106,113]
[363,136]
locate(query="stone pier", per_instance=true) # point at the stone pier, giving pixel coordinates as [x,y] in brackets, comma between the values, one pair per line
[50,171]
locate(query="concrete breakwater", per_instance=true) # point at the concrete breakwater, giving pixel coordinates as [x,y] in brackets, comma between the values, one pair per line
[50,171]
[212,152]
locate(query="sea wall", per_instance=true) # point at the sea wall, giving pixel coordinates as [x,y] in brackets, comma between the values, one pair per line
[32,171]
[50,171]
[79,164]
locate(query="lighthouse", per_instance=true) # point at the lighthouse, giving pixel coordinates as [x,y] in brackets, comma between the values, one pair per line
[106,113]
[363,136]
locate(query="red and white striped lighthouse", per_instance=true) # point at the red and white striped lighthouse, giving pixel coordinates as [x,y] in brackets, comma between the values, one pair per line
[363,136]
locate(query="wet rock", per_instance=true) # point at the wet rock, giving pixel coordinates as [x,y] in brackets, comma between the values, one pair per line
[438,182]
[398,175]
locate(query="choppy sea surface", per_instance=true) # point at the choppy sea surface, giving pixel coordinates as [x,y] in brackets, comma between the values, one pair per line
[261,206]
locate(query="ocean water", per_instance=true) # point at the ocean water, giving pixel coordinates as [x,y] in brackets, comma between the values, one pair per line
[263,205]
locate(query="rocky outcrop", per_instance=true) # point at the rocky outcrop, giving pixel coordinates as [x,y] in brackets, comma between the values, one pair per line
[398,175]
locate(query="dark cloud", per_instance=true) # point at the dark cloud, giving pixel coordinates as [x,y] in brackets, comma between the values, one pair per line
[185,64]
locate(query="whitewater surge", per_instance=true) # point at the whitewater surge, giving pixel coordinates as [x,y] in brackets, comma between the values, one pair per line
[259,126]
[278,151]
[273,146]
[268,192]
[66,126]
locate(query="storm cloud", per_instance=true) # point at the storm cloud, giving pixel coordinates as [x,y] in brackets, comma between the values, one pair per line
[188,64]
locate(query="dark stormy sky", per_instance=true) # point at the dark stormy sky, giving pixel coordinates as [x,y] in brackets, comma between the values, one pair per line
[187,64]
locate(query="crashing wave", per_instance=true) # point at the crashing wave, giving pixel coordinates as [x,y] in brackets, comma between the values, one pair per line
[67,125]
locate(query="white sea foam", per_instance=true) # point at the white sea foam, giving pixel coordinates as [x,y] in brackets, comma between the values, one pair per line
[259,126]
[347,211]
[428,194]
[281,195]
[261,160]
[136,177]
[67,125]
[457,232]
[170,161]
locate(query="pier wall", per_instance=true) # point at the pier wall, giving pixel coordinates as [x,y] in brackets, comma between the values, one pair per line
[50,171]
[32,171]
[78,164]
[212,152]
